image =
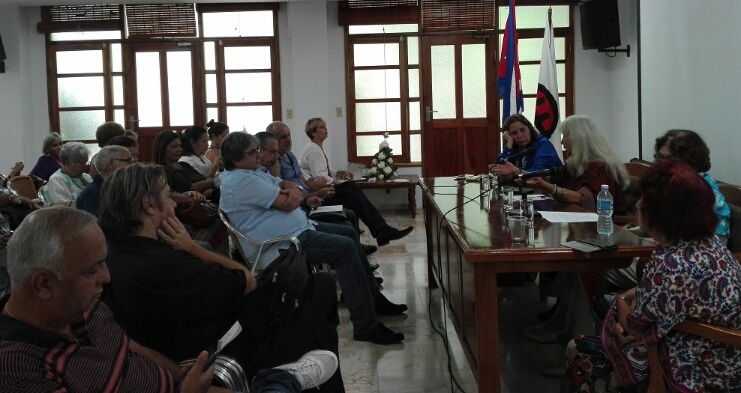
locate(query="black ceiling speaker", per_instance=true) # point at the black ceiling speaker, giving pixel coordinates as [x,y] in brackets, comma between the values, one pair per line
[600,24]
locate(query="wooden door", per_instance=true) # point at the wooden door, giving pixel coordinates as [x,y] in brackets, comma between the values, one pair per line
[164,89]
[460,132]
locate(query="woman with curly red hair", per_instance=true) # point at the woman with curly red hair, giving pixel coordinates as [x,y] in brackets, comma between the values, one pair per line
[691,275]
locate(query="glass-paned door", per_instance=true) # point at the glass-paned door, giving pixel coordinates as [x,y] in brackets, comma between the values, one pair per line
[460,130]
[163,90]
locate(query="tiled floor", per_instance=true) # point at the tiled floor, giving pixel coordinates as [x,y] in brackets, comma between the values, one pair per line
[420,363]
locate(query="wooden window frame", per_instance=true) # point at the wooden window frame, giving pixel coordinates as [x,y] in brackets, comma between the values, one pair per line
[400,160]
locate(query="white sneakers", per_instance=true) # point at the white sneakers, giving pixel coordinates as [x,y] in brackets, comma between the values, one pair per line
[312,369]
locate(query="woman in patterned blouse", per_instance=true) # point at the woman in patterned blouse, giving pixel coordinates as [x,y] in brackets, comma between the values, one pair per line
[691,275]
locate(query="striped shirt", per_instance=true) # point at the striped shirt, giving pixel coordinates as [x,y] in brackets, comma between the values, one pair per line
[98,359]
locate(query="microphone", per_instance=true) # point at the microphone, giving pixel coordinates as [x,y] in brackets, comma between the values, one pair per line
[527,152]
[540,173]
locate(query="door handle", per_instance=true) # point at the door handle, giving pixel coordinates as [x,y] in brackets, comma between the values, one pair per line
[428,114]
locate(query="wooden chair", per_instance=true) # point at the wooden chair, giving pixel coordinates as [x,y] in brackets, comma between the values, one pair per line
[723,335]
[22,186]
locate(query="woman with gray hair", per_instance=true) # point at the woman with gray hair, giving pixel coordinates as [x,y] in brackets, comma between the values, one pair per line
[591,163]
[68,182]
[50,161]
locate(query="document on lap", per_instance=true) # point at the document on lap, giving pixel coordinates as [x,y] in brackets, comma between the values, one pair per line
[327,209]
[569,217]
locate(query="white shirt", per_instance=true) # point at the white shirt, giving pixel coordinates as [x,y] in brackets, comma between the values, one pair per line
[202,165]
[314,163]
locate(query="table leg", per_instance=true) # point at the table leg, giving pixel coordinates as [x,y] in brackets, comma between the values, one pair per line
[412,199]
[487,328]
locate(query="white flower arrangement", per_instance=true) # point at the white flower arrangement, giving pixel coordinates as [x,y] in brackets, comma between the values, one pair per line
[382,164]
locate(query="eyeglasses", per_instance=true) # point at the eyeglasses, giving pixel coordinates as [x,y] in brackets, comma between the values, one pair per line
[253,152]
[273,152]
[661,157]
[83,163]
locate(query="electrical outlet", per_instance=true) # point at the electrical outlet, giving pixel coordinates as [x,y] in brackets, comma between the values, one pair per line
[338,110]
[289,113]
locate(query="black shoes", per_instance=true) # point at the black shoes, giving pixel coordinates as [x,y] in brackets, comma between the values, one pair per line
[380,335]
[369,249]
[379,280]
[385,307]
[374,266]
[388,234]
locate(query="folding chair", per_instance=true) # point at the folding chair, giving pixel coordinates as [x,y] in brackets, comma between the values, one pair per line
[236,236]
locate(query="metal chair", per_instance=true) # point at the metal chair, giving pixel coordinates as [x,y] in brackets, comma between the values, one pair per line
[236,236]
[22,186]
[227,373]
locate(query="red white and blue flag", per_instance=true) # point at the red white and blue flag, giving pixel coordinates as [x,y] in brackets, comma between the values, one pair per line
[509,83]
[547,115]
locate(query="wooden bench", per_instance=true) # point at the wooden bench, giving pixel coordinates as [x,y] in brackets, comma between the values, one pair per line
[410,185]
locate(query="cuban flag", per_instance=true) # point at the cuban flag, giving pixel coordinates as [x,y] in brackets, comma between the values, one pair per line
[547,115]
[509,83]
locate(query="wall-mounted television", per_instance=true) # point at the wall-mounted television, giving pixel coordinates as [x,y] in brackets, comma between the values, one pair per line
[600,24]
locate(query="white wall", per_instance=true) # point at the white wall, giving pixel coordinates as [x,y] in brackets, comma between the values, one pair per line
[607,87]
[24,114]
[691,78]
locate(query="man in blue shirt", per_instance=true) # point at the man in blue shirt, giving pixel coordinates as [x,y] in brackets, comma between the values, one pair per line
[348,195]
[260,207]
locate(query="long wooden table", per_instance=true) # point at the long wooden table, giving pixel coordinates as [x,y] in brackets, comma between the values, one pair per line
[468,245]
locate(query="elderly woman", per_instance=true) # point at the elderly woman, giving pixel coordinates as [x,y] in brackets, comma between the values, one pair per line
[50,161]
[314,164]
[216,133]
[195,145]
[168,149]
[691,275]
[68,182]
[591,164]
[687,146]
[519,136]
[313,161]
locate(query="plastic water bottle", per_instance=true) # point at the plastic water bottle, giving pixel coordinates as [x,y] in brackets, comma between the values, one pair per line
[604,211]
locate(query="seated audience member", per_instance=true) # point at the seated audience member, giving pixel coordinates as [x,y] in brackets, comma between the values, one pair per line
[107,131]
[103,135]
[314,162]
[691,275]
[348,194]
[50,161]
[269,151]
[257,205]
[107,161]
[591,163]
[9,201]
[129,143]
[195,145]
[687,146]
[520,135]
[131,134]
[58,272]
[168,149]
[216,133]
[175,297]
[68,182]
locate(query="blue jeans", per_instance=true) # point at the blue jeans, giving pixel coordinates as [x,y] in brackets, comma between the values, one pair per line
[339,246]
[274,380]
